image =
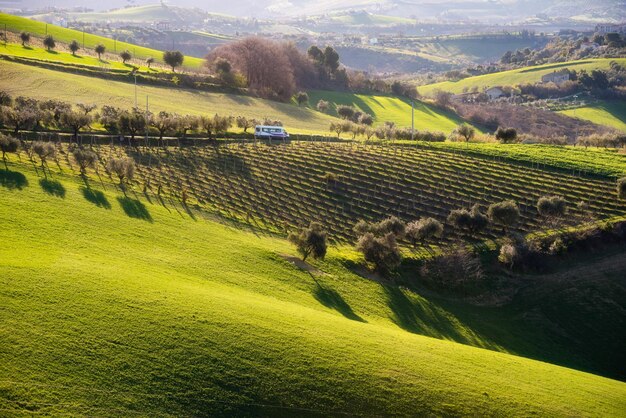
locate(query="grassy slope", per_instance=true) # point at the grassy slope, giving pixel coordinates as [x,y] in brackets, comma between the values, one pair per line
[42,54]
[608,113]
[387,108]
[517,76]
[42,83]
[19,24]
[112,314]
[139,14]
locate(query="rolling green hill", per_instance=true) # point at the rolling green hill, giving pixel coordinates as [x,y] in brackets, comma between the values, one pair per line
[393,109]
[44,83]
[516,77]
[18,24]
[124,307]
[608,113]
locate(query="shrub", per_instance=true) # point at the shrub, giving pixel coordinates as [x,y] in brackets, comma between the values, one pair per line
[173,59]
[504,213]
[423,230]
[8,144]
[552,206]
[310,241]
[383,252]
[85,158]
[123,168]
[621,188]
[510,254]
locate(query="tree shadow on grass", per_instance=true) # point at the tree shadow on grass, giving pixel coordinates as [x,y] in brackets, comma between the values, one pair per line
[52,187]
[331,299]
[12,180]
[134,208]
[96,197]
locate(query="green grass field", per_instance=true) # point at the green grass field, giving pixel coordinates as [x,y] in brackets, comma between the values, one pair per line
[517,76]
[607,113]
[42,54]
[116,306]
[388,108]
[40,29]
[20,79]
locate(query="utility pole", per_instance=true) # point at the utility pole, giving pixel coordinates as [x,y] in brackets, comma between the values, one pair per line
[135,90]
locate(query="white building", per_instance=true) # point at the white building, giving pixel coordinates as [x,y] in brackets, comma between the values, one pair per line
[556,77]
[607,28]
[494,93]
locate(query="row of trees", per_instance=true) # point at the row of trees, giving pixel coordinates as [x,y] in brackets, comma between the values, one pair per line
[172,58]
[26,113]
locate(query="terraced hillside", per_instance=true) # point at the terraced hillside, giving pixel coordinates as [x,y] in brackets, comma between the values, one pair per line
[278,187]
[112,305]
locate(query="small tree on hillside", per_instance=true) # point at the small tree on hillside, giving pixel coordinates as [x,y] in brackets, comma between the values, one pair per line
[100,49]
[18,118]
[131,123]
[552,206]
[465,131]
[621,188]
[8,144]
[345,112]
[86,108]
[74,47]
[49,43]
[123,168]
[310,241]
[506,135]
[173,59]
[165,123]
[25,38]
[85,159]
[366,119]
[245,123]
[504,213]
[215,124]
[45,151]
[149,62]
[302,98]
[383,252]
[125,56]
[323,106]
[74,121]
[424,229]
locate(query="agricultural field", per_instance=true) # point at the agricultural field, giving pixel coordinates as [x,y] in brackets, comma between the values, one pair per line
[18,24]
[280,187]
[213,320]
[392,109]
[517,76]
[607,113]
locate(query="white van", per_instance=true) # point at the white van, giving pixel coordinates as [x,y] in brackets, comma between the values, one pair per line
[270,132]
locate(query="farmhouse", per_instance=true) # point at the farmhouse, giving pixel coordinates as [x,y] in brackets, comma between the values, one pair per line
[494,93]
[556,77]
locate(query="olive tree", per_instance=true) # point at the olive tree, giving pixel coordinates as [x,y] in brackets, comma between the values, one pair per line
[74,47]
[467,132]
[45,151]
[25,38]
[423,229]
[245,123]
[8,144]
[49,43]
[173,59]
[74,121]
[323,106]
[552,206]
[472,221]
[100,49]
[504,213]
[123,168]
[125,56]
[165,123]
[382,252]
[310,241]
[302,98]
[85,158]
[132,123]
